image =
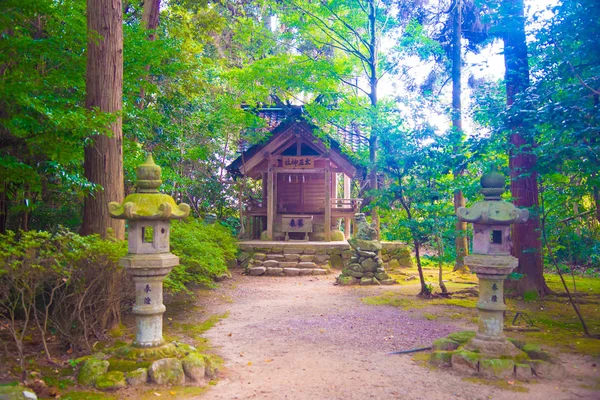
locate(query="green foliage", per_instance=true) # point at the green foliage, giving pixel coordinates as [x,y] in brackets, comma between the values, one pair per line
[57,280]
[203,251]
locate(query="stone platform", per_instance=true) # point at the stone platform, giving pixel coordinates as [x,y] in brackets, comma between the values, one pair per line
[292,258]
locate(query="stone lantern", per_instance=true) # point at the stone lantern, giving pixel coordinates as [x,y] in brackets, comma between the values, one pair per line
[492,262]
[149,261]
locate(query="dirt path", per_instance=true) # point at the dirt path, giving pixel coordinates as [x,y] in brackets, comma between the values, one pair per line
[304,338]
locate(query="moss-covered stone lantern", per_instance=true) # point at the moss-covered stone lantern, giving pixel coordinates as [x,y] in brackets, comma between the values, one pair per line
[149,261]
[491,261]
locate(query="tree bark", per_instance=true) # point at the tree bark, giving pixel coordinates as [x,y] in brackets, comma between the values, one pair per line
[461,241]
[103,156]
[373,139]
[527,246]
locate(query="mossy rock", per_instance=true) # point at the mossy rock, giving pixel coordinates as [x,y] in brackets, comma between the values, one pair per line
[445,344]
[130,352]
[497,368]
[346,280]
[461,337]
[91,370]
[212,365]
[440,358]
[264,236]
[194,367]
[112,380]
[465,361]
[16,392]
[337,236]
[536,353]
[335,260]
[168,371]
[137,377]
[393,264]
[365,245]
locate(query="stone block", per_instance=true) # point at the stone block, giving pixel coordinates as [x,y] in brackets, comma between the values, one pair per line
[369,274]
[319,271]
[307,258]
[276,257]
[289,264]
[274,271]
[291,271]
[257,271]
[388,282]
[167,371]
[306,271]
[382,276]
[335,260]
[309,250]
[445,344]
[440,358]
[292,257]
[293,250]
[369,265]
[112,380]
[270,264]
[497,368]
[306,264]
[260,256]
[321,258]
[194,367]
[367,245]
[366,281]
[367,254]
[347,254]
[349,272]
[356,267]
[465,361]
[523,372]
[243,256]
[137,377]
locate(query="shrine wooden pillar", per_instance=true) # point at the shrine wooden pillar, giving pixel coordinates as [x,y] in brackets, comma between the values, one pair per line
[328,203]
[270,203]
[347,195]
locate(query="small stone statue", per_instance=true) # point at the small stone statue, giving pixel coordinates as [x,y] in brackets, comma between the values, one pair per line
[365,230]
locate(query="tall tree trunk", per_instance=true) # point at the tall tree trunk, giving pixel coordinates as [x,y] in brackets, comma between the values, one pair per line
[103,156]
[373,139]
[461,241]
[527,246]
[150,23]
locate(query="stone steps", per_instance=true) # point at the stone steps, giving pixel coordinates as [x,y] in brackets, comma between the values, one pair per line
[273,267]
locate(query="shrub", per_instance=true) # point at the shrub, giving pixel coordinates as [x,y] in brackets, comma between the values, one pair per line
[203,251]
[62,282]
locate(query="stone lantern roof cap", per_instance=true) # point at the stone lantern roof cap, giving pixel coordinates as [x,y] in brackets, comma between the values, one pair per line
[148,203]
[492,210]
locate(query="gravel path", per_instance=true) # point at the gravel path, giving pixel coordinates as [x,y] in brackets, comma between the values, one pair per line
[304,338]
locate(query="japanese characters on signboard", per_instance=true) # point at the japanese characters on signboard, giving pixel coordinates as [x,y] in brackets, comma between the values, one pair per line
[297,162]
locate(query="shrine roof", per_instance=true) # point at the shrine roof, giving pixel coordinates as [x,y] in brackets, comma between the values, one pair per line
[279,120]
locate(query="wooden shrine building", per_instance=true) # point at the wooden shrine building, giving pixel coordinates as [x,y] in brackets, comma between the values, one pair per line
[305,185]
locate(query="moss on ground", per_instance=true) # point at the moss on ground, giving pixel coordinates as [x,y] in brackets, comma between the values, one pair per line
[87,395]
[178,392]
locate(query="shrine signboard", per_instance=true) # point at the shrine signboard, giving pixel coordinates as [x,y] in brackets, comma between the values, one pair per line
[298,162]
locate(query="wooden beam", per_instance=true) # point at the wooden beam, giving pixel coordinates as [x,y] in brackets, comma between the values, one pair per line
[347,186]
[269,148]
[328,204]
[270,205]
